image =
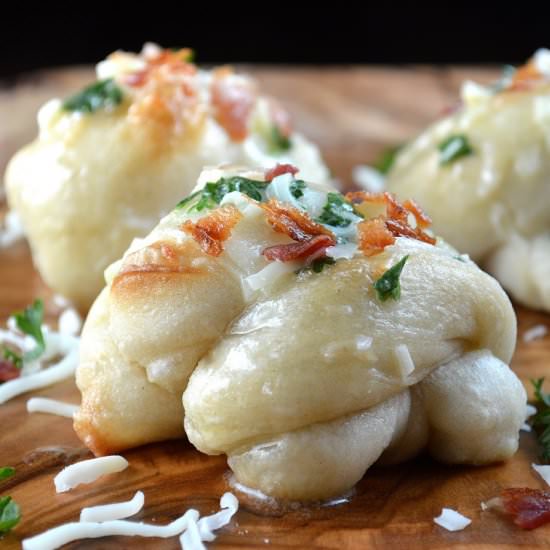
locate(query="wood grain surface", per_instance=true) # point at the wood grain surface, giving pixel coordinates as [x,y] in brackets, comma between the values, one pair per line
[353,113]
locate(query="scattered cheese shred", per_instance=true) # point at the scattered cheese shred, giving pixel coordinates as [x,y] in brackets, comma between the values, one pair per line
[66,345]
[543,471]
[88,471]
[111,512]
[451,520]
[51,406]
[404,359]
[70,322]
[535,333]
[108,521]
[58,536]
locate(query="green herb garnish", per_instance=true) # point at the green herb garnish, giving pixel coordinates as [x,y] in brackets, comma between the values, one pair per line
[29,321]
[13,357]
[386,159]
[277,142]
[317,265]
[453,148]
[337,212]
[99,95]
[297,188]
[6,471]
[541,420]
[10,514]
[388,286]
[212,193]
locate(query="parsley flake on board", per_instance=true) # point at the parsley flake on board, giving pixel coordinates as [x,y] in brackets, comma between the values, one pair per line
[454,147]
[99,95]
[212,193]
[388,286]
[10,514]
[541,420]
[29,321]
[6,471]
[337,211]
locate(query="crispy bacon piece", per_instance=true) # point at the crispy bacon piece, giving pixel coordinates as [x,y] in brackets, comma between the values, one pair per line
[211,231]
[374,236]
[293,222]
[422,219]
[233,100]
[396,221]
[279,170]
[529,508]
[312,238]
[311,250]
[8,371]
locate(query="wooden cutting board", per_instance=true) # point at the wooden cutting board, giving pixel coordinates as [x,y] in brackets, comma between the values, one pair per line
[353,113]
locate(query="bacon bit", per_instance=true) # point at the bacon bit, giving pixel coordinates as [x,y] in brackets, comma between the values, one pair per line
[524,77]
[280,118]
[374,236]
[422,219]
[293,222]
[395,221]
[279,170]
[8,371]
[530,508]
[233,102]
[311,249]
[212,230]
[312,238]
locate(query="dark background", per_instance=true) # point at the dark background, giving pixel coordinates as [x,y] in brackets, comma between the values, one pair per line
[275,32]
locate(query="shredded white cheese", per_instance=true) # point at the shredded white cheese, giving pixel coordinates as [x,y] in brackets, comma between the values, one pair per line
[543,471]
[535,332]
[70,322]
[58,536]
[268,275]
[51,406]
[404,360]
[451,520]
[208,524]
[111,512]
[12,231]
[63,344]
[108,521]
[368,178]
[88,471]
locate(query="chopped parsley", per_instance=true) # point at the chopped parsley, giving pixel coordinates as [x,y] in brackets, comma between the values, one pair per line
[386,159]
[337,211]
[277,141]
[212,193]
[388,286]
[13,357]
[6,472]
[99,95]
[297,188]
[10,514]
[317,265]
[454,147]
[541,420]
[29,321]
